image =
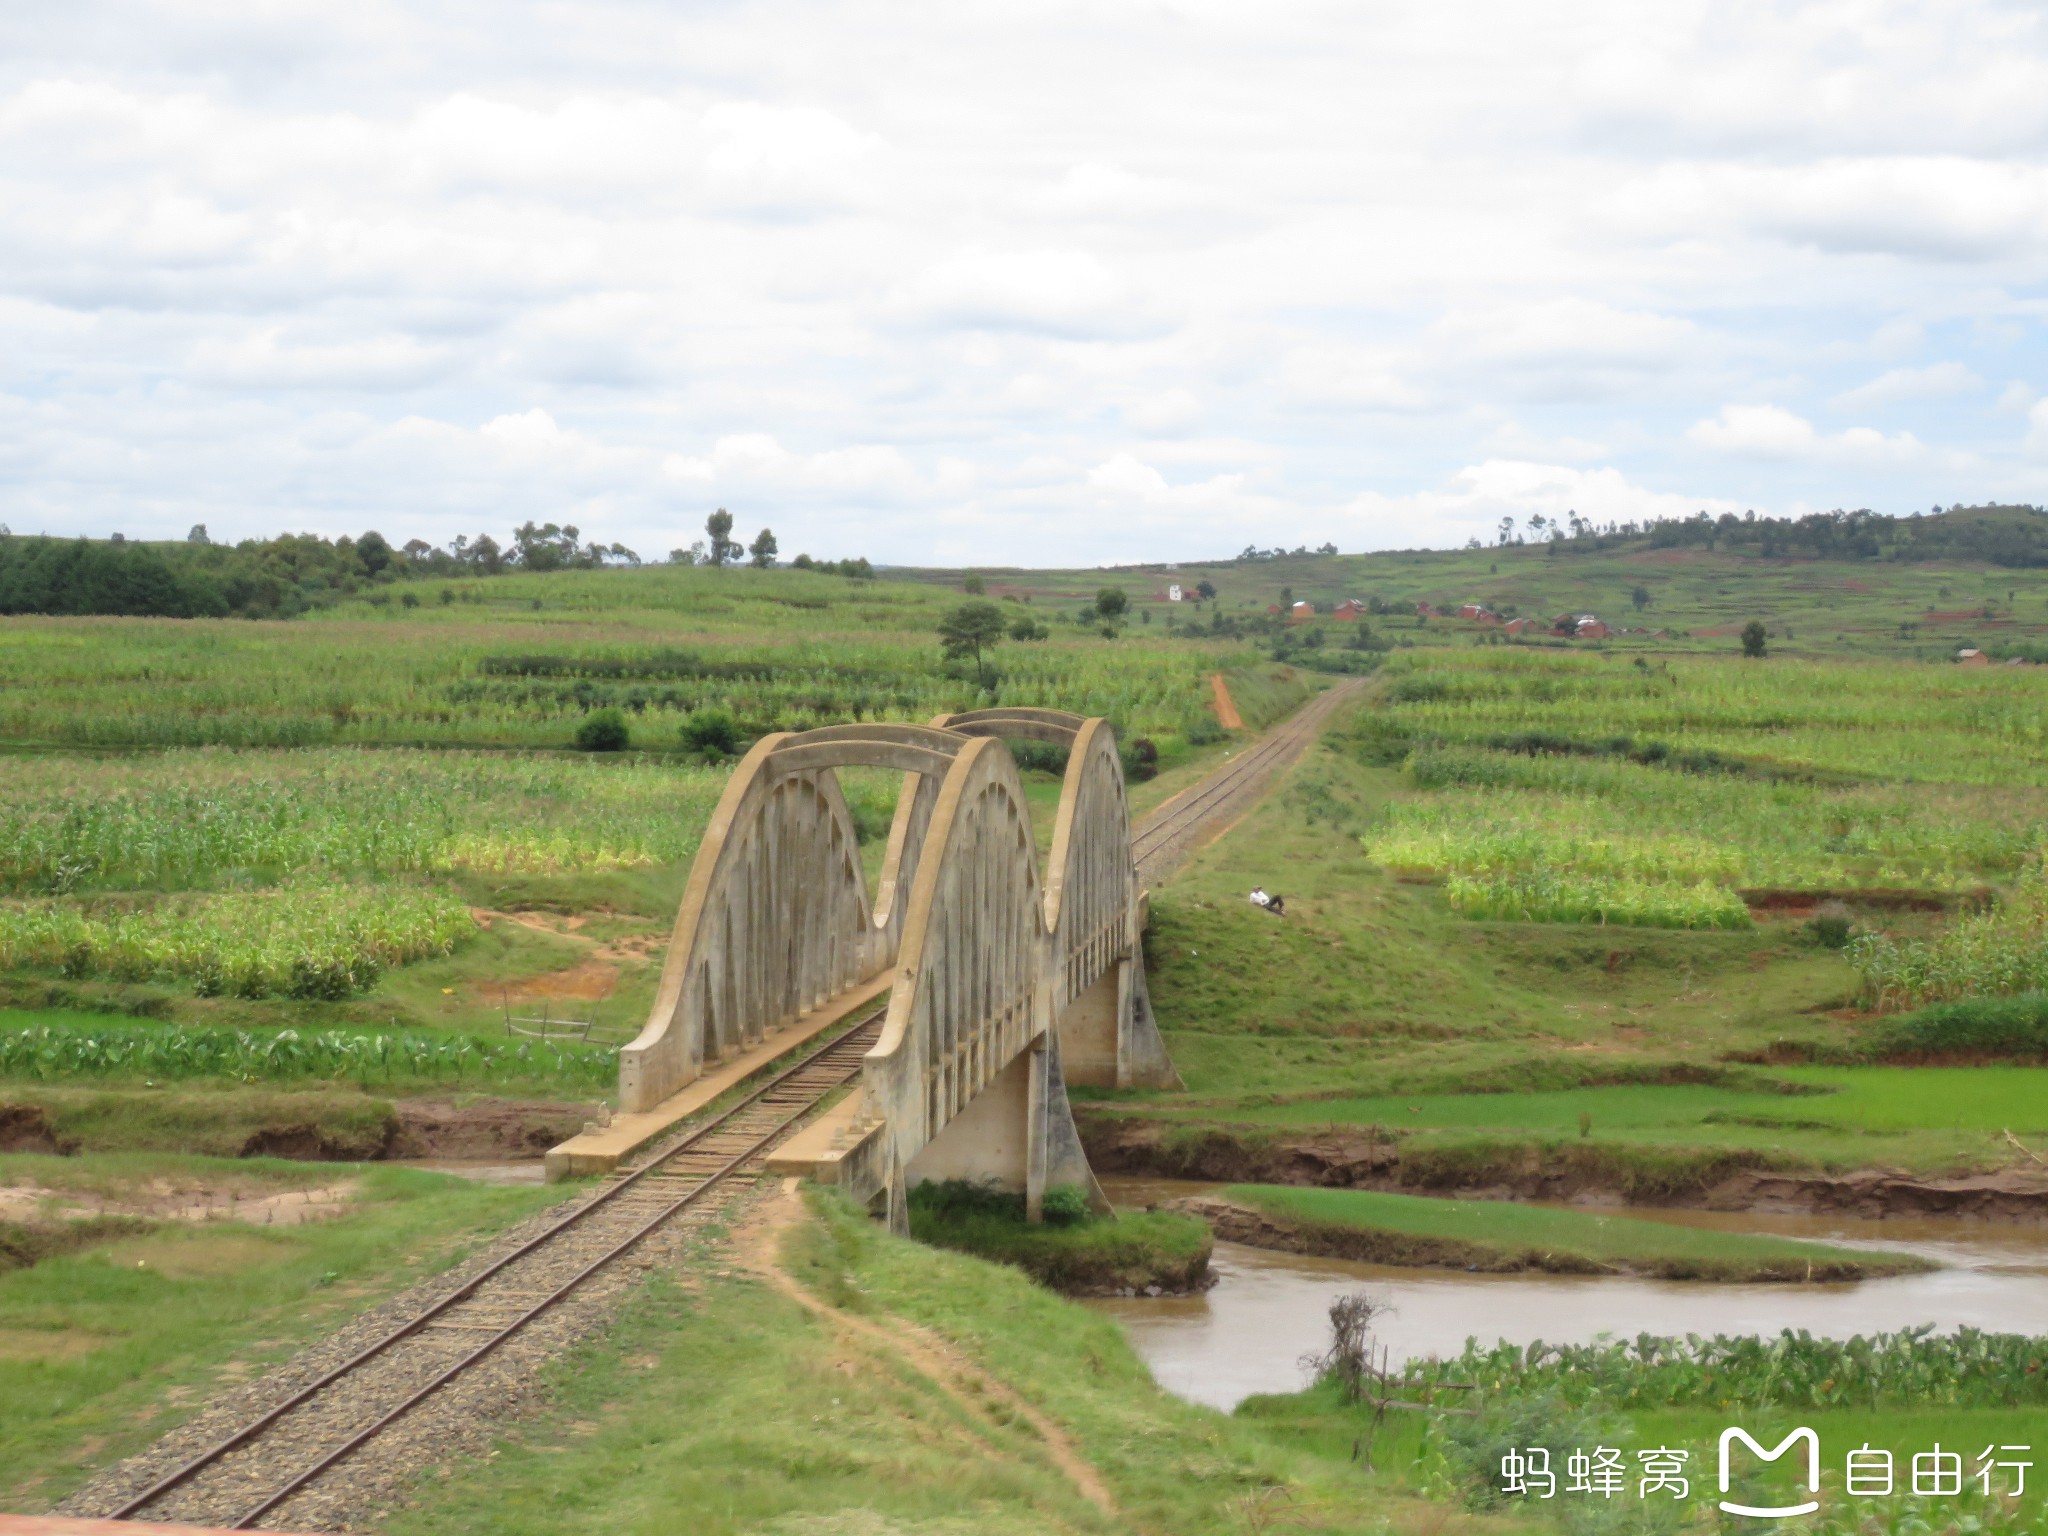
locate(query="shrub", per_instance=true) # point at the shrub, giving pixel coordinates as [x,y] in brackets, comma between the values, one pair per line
[1203,731]
[711,732]
[1141,759]
[1065,1205]
[1830,925]
[603,730]
[2004,1028]
[1040,755]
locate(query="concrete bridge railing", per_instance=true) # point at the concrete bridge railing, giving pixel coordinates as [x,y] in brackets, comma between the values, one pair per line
[1005,981]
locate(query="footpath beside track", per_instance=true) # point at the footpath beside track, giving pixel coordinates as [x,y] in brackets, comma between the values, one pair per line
[275,1466]
[1168,837]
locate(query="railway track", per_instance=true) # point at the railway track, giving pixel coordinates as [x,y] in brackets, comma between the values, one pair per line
[246,1475]
[1171,833]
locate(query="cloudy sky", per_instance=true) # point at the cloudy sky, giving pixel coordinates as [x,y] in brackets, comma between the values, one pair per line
[1041,282]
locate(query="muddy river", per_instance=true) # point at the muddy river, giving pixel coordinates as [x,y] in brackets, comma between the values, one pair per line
[1267,1310]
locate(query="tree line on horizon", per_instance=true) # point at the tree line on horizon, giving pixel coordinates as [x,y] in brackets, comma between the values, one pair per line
[290,574]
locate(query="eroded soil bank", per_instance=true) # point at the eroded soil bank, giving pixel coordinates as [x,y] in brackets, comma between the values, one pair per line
[310,1127]
[1721,1179]
[1235,1223]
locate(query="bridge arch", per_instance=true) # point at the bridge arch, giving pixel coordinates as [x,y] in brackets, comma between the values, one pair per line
[999,968]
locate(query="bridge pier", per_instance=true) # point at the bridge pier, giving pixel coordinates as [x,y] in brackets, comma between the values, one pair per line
[1018,1133]
[1109,1036]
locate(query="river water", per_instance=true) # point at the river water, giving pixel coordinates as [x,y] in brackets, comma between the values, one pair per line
[1267,1310]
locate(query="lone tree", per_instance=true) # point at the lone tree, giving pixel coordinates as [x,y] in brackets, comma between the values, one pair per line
[973,586]
[1205,588]
[1755,638]
[1640,597]
[1110,603]
[969,630]
[722,548]
[762,549]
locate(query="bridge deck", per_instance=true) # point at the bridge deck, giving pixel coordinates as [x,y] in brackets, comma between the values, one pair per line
[600,1151]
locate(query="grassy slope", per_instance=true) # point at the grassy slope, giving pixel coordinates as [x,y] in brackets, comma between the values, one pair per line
[733,1404]
[1372,1005]
[103,1350]
[1494,1234]
[1834,607]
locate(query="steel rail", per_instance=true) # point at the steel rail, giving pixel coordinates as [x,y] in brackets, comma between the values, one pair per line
[853,1043]
[1172,818]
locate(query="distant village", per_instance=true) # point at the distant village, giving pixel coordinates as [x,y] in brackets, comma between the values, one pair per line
[1570,626]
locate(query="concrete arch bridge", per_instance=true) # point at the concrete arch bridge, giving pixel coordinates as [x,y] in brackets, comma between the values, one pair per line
[1001,983]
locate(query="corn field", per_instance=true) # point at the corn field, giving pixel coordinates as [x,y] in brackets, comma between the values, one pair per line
[1964,1369]
[531,655]
[311,942]
[1579,788]
[176,1053]
[1980,954]
[1552,898]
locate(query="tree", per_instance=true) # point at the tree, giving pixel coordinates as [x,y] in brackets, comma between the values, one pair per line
[1286,597]
[969,630]
[1205,588]
[690,556]
[1110,604]
[973,586]
[198,535]
[1754,638]
[373,551]
[763,550]
[1640,597]
[546,546]
[1024,627]
[722,547]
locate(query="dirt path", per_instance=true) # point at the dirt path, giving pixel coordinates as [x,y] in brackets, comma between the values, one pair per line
[1226,707]
[978,1395]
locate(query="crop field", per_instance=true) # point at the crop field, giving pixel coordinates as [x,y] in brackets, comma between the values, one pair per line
[518,660]
[64,1049]
[1579,788]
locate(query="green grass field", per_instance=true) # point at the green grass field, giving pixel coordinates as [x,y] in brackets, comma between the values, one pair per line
[1876,1099]
[1493,1234]
[104,1349]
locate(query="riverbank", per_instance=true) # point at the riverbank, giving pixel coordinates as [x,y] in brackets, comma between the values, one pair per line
[1560,1170]
[1408,1231]
[1073,1250]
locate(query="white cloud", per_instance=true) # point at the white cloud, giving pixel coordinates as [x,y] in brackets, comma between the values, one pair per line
[757,461]
[1471,502]
[1772,432]
[1068,293]
[1934,382]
